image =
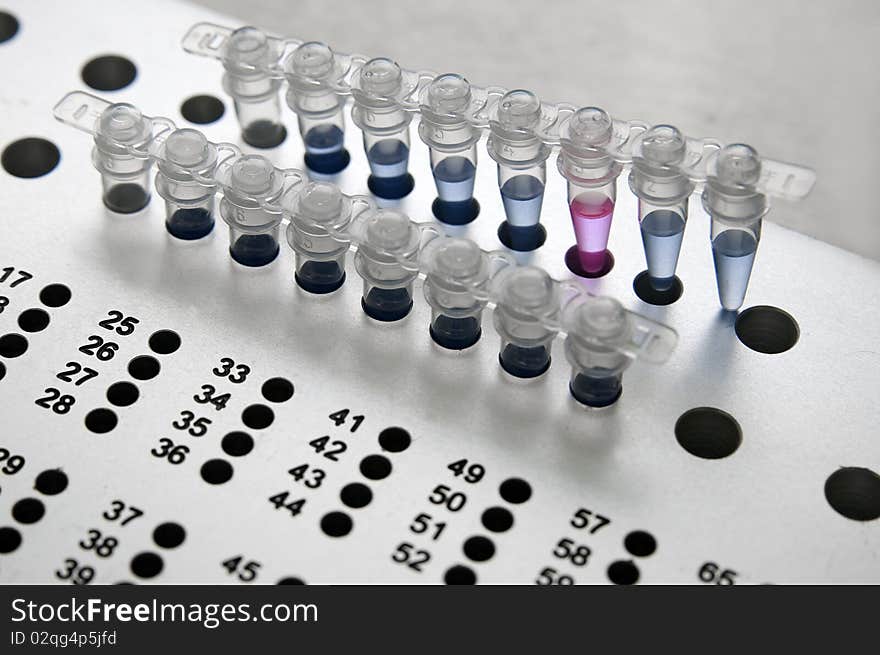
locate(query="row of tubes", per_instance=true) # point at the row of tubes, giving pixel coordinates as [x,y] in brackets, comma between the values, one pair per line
[391,251]
[667,167]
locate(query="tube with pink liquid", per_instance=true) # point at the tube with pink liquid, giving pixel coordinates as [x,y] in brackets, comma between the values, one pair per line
[592,189]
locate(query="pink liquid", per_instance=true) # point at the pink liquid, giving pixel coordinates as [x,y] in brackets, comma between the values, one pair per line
[591,214]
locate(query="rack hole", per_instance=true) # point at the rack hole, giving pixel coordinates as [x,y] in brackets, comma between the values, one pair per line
[708,432]
[109,73]
[202,109]
[8,26]
[854,492]
[767,329]
[30,157]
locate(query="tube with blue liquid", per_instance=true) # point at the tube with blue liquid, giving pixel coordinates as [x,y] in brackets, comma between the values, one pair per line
[385,125]
[522,168]
[184,180]
[387,259]
[452,142]
[527,300]
[663,190]
[457,274]
[311,71]
[252,189]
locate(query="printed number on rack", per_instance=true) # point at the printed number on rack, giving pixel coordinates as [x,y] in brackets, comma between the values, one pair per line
[122,512]
[712,573]
[13,463]
[76,373]
[167,449]
[587,519]
[422,523]
[408,554]
[341,416]
[235,373]
[207,396]
[97,347]
[281,501]
[336,447]
[309,476]
[197,427]
[452,500]
[6,275]
[244,571]
[577,554]
[118,322]
[472,473]
[56,401]
[96,541]
[76,573]
[550,576]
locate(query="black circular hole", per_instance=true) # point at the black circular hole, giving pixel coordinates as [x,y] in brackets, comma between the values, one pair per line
[122,394]
[28,510]
[291,581]
[202,109]
[237,444]
[622,572]
[164,342]
[30,157]
[109,73]
[356,495]
[375,467]
[708,432]
[2,370]
[146,565]
[854,493]
[143,367]
[394,440]
[515,490]
[169,535]
[8,26]
[497,519]
[459,575]
[55,295]
[13,345]
[51,482]
[336,524]
[10,539]
[647,293]
[277,390]
[216,471]
[479,548]
[33,320]
[767,329]
[257,417]
[101,420]
[640,543]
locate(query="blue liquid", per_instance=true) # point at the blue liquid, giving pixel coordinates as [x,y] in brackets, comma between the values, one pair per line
[522,196]
[454,177]
[190,224]
[325,153]
[254,249]
[525,362]
[734,255]
[388,158]
[324,139]
[387,304]
[320,277]
[594,389]
[662,233]
[455,333]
